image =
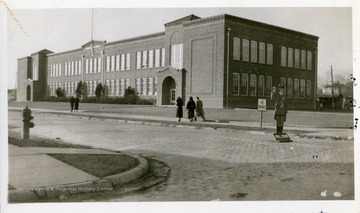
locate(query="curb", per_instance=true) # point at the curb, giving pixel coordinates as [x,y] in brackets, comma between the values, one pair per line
[203,126]
[62,191]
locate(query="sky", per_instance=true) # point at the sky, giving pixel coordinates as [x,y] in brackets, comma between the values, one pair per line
[66,29]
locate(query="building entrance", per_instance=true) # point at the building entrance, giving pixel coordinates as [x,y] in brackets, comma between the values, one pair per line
[168,91]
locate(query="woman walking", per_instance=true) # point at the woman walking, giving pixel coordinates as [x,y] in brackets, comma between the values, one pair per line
[179,110]
[191,106]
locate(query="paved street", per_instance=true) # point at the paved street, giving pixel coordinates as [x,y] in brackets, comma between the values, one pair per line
[212,164]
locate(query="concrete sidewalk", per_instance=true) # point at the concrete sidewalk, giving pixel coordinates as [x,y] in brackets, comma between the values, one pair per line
[301,130]
[34,175]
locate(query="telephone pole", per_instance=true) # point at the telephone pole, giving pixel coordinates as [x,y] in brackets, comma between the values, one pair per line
[332,89]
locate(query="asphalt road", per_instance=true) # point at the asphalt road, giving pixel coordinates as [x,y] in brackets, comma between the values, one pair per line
[216,165]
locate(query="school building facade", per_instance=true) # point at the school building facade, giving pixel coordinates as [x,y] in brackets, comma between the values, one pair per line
[226,60]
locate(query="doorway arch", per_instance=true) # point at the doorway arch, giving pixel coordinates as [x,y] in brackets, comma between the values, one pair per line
[168,91]
[28,93]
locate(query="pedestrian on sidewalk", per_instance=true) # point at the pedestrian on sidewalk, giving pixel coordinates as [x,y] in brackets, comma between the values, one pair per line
[199,109]
[191,106]
[179,109]
[77,101]
[280,108]
[72,101]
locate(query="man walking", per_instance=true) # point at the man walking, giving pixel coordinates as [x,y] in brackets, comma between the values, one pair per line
[199,109]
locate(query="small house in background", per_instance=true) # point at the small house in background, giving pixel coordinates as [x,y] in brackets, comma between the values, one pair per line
[326,100]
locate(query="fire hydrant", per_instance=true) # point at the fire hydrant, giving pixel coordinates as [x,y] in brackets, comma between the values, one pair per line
[27,117]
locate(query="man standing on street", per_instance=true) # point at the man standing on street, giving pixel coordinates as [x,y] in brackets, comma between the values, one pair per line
[199,109]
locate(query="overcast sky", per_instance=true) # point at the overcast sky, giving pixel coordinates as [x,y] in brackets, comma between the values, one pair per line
[66,29]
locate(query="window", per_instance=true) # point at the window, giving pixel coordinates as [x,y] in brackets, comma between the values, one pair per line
[244,84]
[107,63]
[66,72]
[303,59]
[309,60]
[80,67]
[107,86]
[122,62]
[127,83]
[99,65]
[296,88]
[283,81]
[253,84]
[122,87]
[90,88]
[155,86]
[138,60]
[254,52]
[117,64]
[76,67]
[297,58]
[72,68]
[151,59]
[283,56]
[37,75]
[177,56]
[157,58]
[112,87]
[290,57]
[236,84]
[163,57]
[245,50]
[117,86]
[95,65]
[261,85]
[302,88]
[138,85]
[289,89]
[90,65]
[143,86]
[94,86]
[308,89]
[112,68]
[236,49]
[150,86]
[269,56]
[268,86]
[127,66]
[261,52]
[144,59]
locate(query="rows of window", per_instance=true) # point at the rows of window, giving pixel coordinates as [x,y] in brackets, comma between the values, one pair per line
[252,51]
[146,86]
[258,86]
[297,88]
[261,86]
[54,70]
[113,63]
[296,58]
[150,58]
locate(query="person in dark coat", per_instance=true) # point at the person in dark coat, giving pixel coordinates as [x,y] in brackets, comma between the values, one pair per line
[191,106]
[199,109]
[179,110]
[77,101]
[72,101]
[280,108]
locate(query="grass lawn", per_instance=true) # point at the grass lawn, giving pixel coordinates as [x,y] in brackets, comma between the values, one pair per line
[99,165]
[42,142]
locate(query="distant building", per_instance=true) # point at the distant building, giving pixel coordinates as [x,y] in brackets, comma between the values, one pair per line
[228,61]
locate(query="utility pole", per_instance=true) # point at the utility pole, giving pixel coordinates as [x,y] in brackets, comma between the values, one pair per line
[332,89]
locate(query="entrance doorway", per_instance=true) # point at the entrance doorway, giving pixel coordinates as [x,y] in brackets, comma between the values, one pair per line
[168,91]
[28,93]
